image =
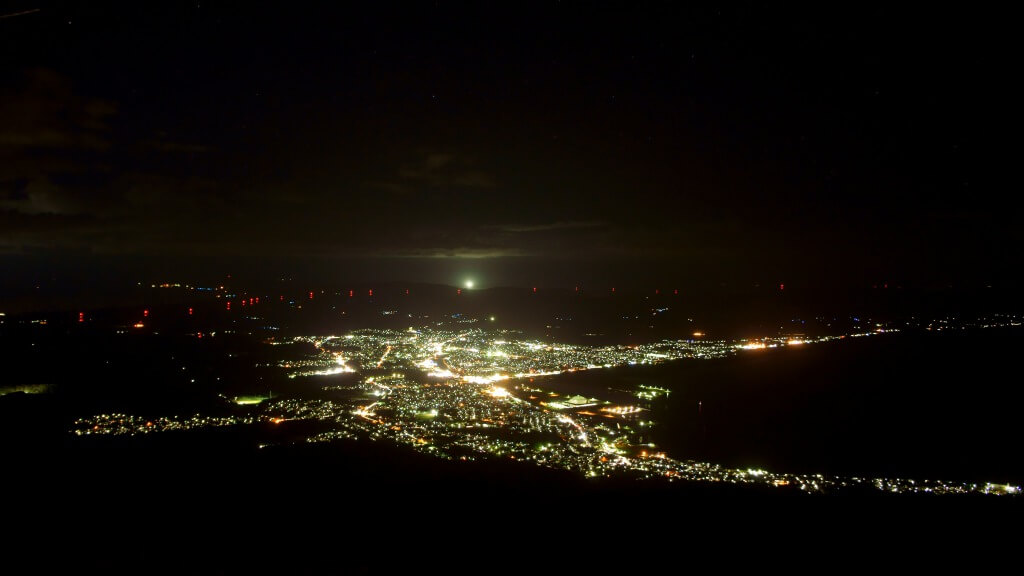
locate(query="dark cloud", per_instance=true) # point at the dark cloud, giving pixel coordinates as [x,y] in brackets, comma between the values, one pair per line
[474,179]
[45,114]
[458,253]
[54,161]
[185,147]
[39,196]
[432,171]
[548,227]
[69,177]
[434,162]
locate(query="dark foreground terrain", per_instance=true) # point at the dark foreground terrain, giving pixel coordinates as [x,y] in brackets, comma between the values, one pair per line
[367,508]
[211,501]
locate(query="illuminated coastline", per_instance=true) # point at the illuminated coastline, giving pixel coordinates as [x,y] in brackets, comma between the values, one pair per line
[473,394]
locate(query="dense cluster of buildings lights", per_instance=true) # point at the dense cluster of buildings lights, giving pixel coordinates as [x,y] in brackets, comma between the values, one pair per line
[448,417]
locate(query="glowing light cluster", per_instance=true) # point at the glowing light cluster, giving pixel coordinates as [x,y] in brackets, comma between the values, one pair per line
[485,379]
[536,374]
[622,409]
[331,371]
[498,392]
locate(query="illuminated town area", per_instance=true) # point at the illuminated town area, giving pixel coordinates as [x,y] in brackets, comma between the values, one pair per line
[474,394]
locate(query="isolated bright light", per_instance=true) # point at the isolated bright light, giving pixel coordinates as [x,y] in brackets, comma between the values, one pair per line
[469,283]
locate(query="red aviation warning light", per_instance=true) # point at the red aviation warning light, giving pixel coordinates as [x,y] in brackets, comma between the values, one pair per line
[281,298]
[613,289]
[676,291]
[406,291]
[251,301]
[189,311]
[228,305]
[534,289]
[351,293]
[145,313]
[458,291]
[370,292]
[257,299]
[81,316]
[782,286]
[310,295]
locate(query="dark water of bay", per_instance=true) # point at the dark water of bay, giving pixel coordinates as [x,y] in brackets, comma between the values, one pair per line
[924,405]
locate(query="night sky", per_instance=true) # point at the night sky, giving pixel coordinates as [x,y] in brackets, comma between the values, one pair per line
[540,143]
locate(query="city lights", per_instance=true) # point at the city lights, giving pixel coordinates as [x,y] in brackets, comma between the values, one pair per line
[436,390]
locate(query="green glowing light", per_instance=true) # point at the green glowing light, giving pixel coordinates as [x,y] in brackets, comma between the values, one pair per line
[248,400]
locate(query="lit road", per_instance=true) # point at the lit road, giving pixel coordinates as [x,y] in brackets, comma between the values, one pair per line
[386,352]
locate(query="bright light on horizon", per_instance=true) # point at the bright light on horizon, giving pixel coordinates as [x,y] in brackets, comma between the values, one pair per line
[469,283]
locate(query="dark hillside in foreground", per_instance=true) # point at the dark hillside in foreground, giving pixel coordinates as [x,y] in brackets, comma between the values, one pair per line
[205,505]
